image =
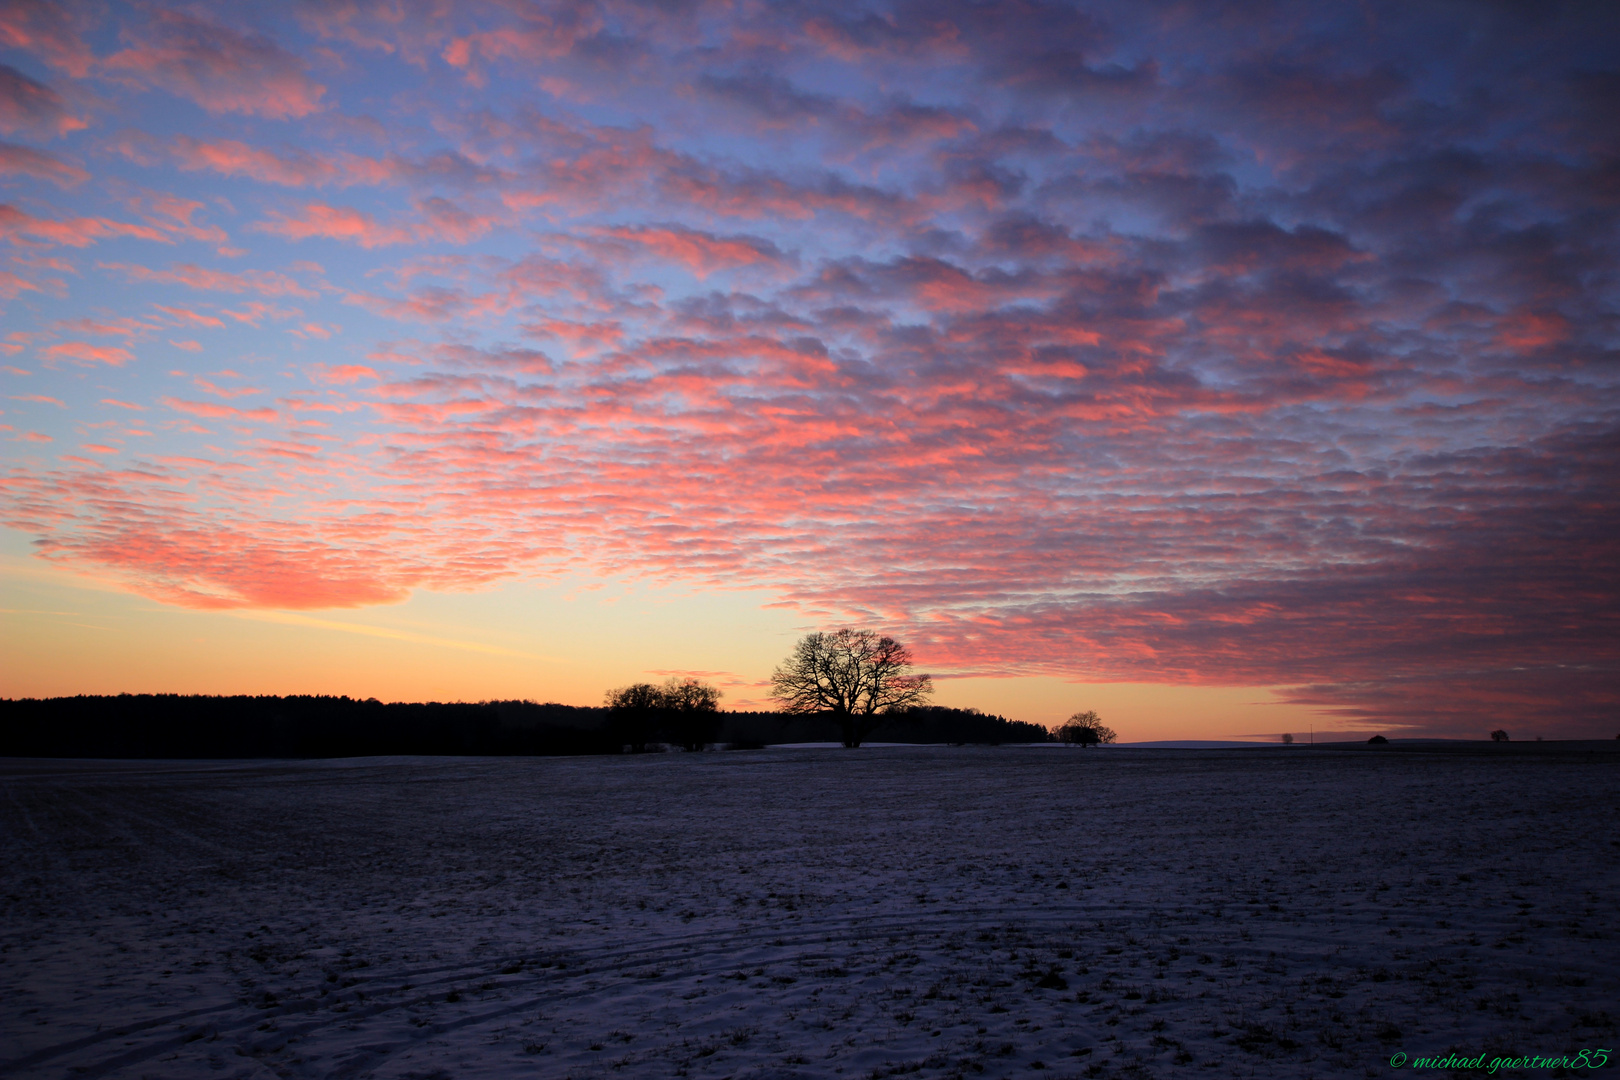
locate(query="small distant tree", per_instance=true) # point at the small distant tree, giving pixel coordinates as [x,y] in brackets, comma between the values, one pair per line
[853,676]
[686,711]
[1085,729]
[634,713]
[1499,736]
[691,712]
[1288,740]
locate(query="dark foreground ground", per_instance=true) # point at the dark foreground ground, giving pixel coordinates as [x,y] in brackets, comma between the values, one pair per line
[872,913]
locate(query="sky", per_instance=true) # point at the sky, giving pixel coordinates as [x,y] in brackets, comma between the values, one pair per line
[1229,369]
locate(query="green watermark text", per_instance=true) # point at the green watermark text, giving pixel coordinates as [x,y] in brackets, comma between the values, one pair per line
[1490,1064]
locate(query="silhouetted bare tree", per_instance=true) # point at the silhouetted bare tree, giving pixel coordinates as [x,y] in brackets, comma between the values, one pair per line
[691,712]
[1085,729]
[853,675]
[1499,736]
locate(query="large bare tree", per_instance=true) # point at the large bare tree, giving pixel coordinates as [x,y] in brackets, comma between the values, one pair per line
[854,675]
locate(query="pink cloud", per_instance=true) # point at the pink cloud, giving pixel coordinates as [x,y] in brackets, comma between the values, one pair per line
[217,68]
[48,30]
[229,157]
[85,353]
[26,105]
[11,286]
[26,161]
[335,223]
[445,220]
[263,282]
[74,232]
[439,219]
[211,411]
[189,317]
[214,569]
[254,313]
[698,252]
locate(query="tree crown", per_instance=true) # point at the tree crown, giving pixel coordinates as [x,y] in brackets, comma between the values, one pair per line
[1085,729]
[849,673]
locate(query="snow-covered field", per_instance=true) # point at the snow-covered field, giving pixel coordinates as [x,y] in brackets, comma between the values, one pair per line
[806,913]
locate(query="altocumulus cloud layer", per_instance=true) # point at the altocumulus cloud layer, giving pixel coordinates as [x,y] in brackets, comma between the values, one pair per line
[1255,344]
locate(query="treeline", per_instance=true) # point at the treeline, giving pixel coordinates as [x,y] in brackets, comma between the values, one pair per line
[198,726]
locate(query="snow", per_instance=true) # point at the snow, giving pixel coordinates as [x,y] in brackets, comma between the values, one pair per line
[927,911]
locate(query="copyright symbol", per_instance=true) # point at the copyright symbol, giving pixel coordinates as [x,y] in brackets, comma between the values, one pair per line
[1397,1061]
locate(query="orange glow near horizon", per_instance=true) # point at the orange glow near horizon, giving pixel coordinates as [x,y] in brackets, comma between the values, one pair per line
[517,642]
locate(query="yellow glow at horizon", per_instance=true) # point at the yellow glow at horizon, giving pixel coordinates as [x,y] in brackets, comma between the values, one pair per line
[66,633]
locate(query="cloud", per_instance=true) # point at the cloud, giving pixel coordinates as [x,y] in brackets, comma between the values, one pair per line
[230,157]
[261,282]
[217,68]
[187,317]
[700,253]
[26,161]
[16,224]
[210,410]
[438,219]
[85,353]
[335,223]
[47,30]
[27,105]
[298,167]
[12,286]
[347,373]
[216,570]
